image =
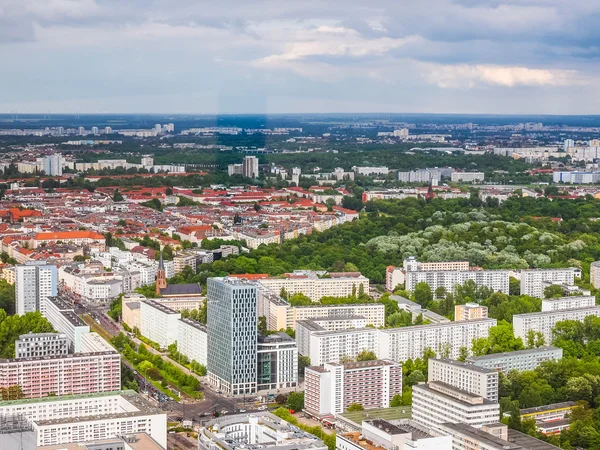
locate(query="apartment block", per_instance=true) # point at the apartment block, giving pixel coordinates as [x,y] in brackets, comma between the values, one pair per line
[574,302]
[90,417]
[489,437]
[412,265]
[496,280]
[445,339]
[543,322]
[334,346]
[158,323]
[331,388]
[519,360]
[63,318]
[468,377]
[534,281]
[192,340]
[467,177]
[316,285]
[277,362]
[79,373]
[470,311]
[304,328]
[436,403]
[595,274]
[34,282]
[41,344]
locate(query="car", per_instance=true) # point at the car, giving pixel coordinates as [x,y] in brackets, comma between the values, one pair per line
[262,408]
[242,410]
[224,412]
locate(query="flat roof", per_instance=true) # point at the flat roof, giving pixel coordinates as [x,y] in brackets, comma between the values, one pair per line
[138,441]
[394,413]
[528,442]
[529,351]
[465,365]
[195,324]
[550,407]
[160,307]
[28,401]
[443,324]
[560,311]
[461,392]
[482,436]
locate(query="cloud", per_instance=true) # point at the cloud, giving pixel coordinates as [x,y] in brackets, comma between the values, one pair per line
[469,76]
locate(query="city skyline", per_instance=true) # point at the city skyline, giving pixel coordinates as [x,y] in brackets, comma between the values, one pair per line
[536,56]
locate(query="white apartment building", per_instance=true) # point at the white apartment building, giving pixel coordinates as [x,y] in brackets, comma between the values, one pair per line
[34,282]
[474,379]
[467,177]
[334,346]
[595,274]
[411,264]
[250,167]
[374,313]
[368,171]
[575,302]
[520,360]
[533,280]
[331,388]
[158,323]
[310,284]
[436,403]
[41,344]
[192,340]
[497,280]
[445,339]
[544,322]
[277,362]
[63,318]
[184,259]
[90,417]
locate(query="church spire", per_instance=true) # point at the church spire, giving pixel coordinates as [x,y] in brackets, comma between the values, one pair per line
[161,276]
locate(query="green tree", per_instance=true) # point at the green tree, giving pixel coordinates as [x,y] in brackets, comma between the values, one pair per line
[303,363]
[422,294]
[295,401]
[554,291]
[117,196]
[355,407]
[366,355]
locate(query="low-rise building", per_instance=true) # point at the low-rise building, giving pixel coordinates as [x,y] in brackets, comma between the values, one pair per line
[470,311]
[255,430]
[520,360]
[331,388]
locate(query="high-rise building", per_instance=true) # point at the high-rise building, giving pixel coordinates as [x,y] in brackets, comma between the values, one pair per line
[108,130]
[81,131]
[595,274]
[158,128]
[250,167]
[34,283]
[277,362]
[53,165]
[468,377]
[569,143]
[95,131]
[496,280]
[544,322]
[534,281]
[232,335]
[520,360]
[41,344]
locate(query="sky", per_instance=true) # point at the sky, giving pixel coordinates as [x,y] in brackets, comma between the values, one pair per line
[300,56]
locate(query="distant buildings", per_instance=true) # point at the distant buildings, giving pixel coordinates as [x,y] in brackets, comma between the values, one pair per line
[34,283]
[595,274]
[467,177]
[53,165]
[518,360]
[534,281]
[250,167]
[331,388]
[496,280]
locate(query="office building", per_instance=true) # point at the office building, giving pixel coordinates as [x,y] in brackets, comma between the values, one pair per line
[436,403]
[470,311]
[53,165]
[98,370]
[520,360]
[474,379]
[544,322]
[232,335]
[467,177]
[574,302]
[158,323]
[331,388]
[496,280]
[41,344]
[63,318]
[89,417]
[255,430]
[534,281]
[310,283]
[445,339]
[392,435]
[192,340]
[277,362]
[323,346]
[34,283]
[250,167]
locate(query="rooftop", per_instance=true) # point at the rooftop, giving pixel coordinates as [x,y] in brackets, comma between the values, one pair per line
[562,311]
[182,289]
[528,442]
[544,408]
[162,308]
[477,435]
[465,365]
[529,351]
[139,441]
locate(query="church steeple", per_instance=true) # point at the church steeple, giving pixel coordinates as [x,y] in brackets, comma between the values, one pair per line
[161,276]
